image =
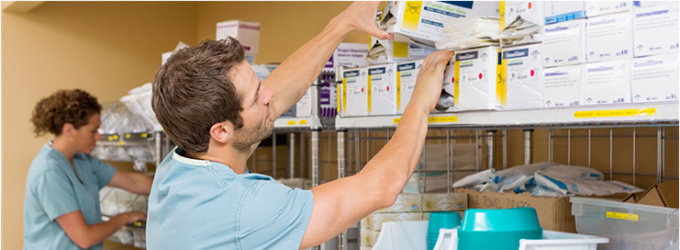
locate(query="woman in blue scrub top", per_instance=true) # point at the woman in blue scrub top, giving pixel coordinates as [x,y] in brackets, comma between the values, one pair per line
[61,206]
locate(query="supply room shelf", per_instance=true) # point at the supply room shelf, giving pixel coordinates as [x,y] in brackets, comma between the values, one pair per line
[297,123]
[666,112]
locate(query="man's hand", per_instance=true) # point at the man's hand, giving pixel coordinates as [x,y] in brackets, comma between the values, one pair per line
[430,78]
[360,16]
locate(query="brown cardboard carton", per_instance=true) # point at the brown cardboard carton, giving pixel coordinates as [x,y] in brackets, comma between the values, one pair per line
[554,213]
[662,194]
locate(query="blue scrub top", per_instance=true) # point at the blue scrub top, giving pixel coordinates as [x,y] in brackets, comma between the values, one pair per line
[197,204]
[53,189]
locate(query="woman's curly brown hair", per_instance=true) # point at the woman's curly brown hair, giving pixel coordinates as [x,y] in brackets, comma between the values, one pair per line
[64,106]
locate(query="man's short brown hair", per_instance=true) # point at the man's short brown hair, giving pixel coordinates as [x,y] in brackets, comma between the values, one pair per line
[192,91]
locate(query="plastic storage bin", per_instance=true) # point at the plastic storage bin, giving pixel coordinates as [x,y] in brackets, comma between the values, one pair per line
[628,226]
[552,240]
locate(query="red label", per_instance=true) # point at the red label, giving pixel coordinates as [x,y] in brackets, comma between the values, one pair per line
[532,72]
[529,5]
[362,89]
[480,75]
[388,88]
[453,79]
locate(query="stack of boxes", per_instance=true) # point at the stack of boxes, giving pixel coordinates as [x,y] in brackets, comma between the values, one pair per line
[247,33]
[409,207]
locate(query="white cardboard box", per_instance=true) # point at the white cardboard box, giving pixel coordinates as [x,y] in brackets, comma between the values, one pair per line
[563,86]
[423,21]
[407,74]
[449,83]
[564,43]
[355,92]
[524,70]
[382,86]
[598,8]
[347,55]
[607,83]
[531,11]
[478,71]
[562,11]
[303,107]
[609,37]
[395,51]
[248,33]
[656,29]
[655,78]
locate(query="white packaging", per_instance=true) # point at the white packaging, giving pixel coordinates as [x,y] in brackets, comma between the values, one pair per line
[531,11]
[407,74]
[609,37]
[478,71]
[598,8]
[303,107]
[355,92]
[656,29]
[563,86]
[382,89]
[655,78]
[448,87]
[562,11]
[387,51]
[248,33]
[422,21]
[524,71]
[347,55]
[564,43]
[607,83]
[642,4]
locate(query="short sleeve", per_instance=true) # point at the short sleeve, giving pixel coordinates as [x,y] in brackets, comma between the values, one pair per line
[273,216]
[55,193]
[103,171]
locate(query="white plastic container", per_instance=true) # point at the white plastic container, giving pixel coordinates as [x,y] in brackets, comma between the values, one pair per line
[448,239]
[628,226]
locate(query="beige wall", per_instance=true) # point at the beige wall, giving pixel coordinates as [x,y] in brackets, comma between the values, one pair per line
[105,48]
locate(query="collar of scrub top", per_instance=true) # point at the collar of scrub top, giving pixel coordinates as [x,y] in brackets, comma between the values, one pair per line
[74,167]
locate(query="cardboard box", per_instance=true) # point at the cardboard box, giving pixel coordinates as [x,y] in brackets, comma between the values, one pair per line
[656,29]
[563,86]
[607,83]
[478,71]
[524,70]
[303,107]
[355,92]
[296,183]
[388,51]
[553,213]
[598,8]
[609,37]
[407,74]
[382,89]
[655,78]
[662,194]
[347,55]
[423,21]
[531,11]
[428,202]
[564,43]
[328,103]
[248,33]
[562,11]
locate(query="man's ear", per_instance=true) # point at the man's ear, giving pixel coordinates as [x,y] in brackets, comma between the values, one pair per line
[67,129]
[221,131]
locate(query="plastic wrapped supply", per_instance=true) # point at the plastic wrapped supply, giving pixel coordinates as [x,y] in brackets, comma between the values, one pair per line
[518,30]
[467,33]
[546,179]
[138,101]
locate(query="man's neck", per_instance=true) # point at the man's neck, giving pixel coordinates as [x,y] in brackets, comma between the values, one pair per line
[236,160]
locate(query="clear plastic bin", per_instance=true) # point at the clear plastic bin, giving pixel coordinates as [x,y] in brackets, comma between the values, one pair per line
[628,226]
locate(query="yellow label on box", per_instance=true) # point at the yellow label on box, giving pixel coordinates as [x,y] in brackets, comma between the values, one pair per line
[344,95]
[291,122]
[303,122]
[615,113]
[501,19]
[144,135]
[437,119]
[399,50]
[412,15]
[501,81]
[369,92]
[622,216]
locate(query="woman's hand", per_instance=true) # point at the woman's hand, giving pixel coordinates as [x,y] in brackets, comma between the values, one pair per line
[430,79]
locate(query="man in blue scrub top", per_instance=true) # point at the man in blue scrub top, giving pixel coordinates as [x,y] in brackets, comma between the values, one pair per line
[213,106]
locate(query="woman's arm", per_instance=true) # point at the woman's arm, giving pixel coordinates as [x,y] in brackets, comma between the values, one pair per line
[137,183]
[85,235]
